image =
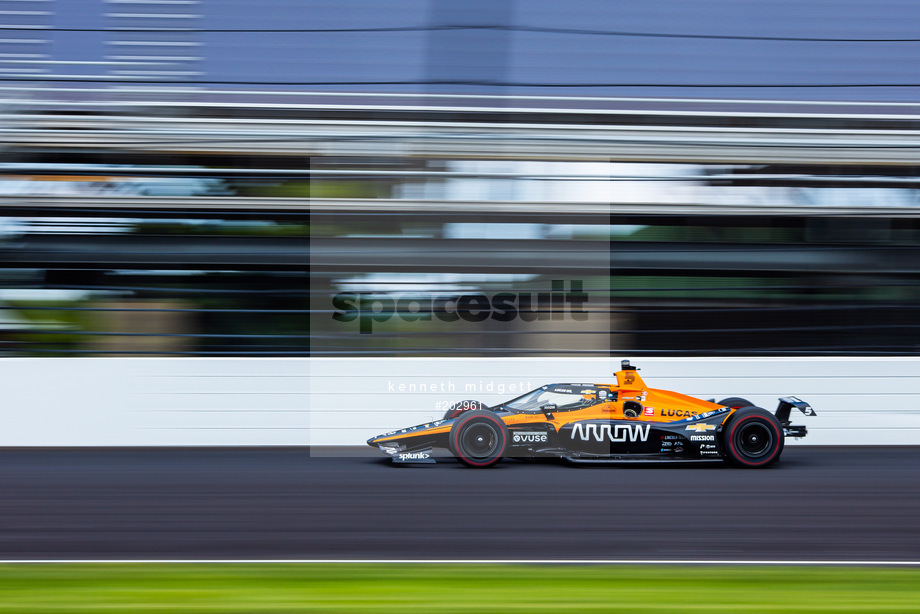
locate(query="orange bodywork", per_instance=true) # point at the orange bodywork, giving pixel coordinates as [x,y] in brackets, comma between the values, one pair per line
[602,423]
[654,405]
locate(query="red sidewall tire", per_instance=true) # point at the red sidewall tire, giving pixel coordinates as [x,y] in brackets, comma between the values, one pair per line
[456,409]
[491,425]
[752,420]
[736,402]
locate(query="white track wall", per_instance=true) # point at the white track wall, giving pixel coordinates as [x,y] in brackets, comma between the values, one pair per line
[343,401]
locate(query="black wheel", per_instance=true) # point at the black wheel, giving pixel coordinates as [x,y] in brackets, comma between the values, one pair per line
[458,408]
[478,438]
[753,438]
[736,402]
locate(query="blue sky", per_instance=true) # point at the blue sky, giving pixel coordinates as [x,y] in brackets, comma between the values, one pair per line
[510,49]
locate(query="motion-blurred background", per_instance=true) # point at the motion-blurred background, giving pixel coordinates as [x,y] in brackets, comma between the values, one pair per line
[181,177]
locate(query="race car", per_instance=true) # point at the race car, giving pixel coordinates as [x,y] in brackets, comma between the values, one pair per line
[602,423]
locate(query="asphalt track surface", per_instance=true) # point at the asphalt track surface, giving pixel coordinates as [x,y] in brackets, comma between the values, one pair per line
[817,504]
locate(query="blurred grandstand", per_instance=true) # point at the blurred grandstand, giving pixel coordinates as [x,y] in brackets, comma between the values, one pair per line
[193,197]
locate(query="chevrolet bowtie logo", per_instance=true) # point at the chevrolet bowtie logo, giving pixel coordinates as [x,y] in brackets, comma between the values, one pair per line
[701,427]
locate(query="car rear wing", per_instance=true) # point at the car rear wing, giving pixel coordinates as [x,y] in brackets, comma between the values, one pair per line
[785,408]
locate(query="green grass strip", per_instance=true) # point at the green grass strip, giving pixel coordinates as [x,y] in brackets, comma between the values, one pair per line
[405,588]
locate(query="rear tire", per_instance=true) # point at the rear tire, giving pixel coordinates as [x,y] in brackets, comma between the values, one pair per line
[736,402]
[478,438]
[753,438]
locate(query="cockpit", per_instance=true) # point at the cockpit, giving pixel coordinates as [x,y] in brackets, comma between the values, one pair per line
[565,397]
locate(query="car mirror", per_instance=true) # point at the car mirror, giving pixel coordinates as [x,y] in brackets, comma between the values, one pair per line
[548,410]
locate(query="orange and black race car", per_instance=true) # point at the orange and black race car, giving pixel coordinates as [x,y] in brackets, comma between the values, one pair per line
[594,423]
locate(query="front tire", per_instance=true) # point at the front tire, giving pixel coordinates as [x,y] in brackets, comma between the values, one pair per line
[458,408]
[753,438]
[478,438]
